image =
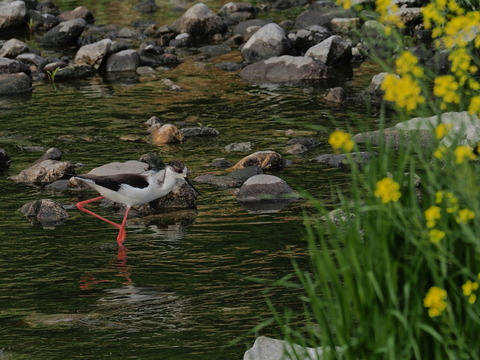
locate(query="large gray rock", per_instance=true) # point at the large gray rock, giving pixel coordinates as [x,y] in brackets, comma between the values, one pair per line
[465,128]
[265,188]
[45,172]
[12,48]
[266,348]
[199,21]
[306,38]
[10,66]
[93,54]
[12,14]
[46,212]
[125,60]
[219,181]
[332,51]
[15,83]
[236,12]
[286,69]
[64,33]
[269,41]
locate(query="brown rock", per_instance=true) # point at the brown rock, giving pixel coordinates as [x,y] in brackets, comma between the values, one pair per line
[167,134]
[45,172]
[263,159]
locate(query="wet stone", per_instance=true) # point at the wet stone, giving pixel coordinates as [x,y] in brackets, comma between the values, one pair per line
[46,212]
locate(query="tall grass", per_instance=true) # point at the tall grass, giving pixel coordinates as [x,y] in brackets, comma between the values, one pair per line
[398,277]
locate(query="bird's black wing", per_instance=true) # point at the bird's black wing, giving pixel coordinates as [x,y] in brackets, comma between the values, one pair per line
[114,182]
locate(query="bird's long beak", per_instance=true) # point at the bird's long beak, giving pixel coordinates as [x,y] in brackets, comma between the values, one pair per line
[191,185]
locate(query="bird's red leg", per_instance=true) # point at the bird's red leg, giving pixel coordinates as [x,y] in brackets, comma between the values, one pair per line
[122,234]
[81,208]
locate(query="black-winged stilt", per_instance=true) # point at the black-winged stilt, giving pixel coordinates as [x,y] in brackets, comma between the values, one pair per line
[133,189]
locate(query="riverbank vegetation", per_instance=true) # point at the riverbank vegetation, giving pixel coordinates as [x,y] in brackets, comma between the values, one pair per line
[395,273]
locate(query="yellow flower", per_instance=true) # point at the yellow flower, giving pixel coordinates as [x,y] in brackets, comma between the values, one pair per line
[442,130]
[461,29]
[464,216]
[435,301]
[464,152]
[439,197]
[346,4]
[436,235]
[432,214]
[388,12]
[446,87]
[407,64]
[403,91]
[341,141]
[472,298]
[452,202]
[440,152]
[387,190]
[474,107]
[469,287]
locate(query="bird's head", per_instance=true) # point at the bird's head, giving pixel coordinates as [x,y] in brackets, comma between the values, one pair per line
[180,171]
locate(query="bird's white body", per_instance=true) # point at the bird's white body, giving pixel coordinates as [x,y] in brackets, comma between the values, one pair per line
[133,189]
[159,184]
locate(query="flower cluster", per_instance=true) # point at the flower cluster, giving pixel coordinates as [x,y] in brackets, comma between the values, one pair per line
[464,152]
[341,141]
[387,190]
[435,301]
[442,130]
[469,289]
[388,12]
[403,91]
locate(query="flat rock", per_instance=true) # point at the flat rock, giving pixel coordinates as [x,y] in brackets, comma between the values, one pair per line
[285,69]
[220,181]
[44,172]
[263,159]
[265,188]
[239,147]
[64,33]
[72,72]
[397,138]
[341,160]
[15,83]
[244,174]
[199,131]
[12,14]
[46,212]
[270,41]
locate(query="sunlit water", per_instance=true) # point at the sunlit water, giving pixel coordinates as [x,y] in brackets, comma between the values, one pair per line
[184,290]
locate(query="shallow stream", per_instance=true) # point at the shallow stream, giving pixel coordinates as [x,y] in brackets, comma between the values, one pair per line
[184,290]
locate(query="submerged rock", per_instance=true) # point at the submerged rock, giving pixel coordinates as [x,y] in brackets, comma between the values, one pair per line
[220,181]
[344,161]
[263,159]
[239,147]
[285,69]
[199,131]
[46,212]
